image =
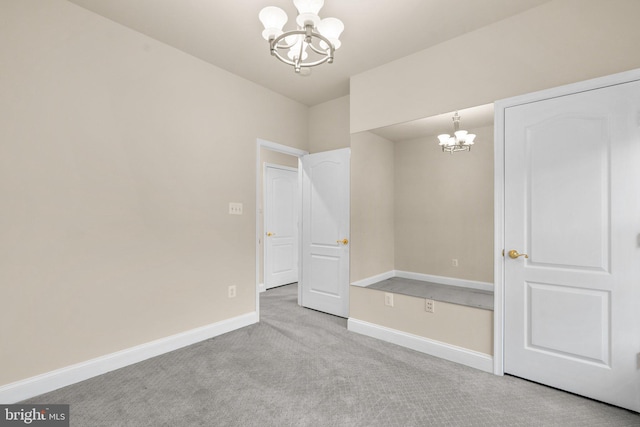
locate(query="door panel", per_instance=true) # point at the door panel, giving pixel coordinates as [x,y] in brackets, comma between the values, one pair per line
[572,179]
[548,327]
[568,166]
[281,226]
[325,226]
[324,275]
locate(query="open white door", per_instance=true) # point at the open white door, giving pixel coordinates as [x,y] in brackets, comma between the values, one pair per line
[572,204]
[325,232]
[280,225]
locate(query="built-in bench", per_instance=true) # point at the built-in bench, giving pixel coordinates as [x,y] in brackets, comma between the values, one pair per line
[437,292]
[457,326]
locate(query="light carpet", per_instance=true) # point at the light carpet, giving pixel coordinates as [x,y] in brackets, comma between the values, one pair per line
[299,367]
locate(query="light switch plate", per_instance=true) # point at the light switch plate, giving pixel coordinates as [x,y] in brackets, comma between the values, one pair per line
[235,208]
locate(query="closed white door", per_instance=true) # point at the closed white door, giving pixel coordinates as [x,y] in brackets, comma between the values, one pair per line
[281,226]
[572,205]
[325,232]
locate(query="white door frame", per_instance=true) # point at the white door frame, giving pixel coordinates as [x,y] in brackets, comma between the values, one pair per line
[499,190]
[284,149]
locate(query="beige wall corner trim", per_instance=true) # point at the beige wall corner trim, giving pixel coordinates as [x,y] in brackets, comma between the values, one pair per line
[53,380]
[374,279]
[439,349]
[452,281]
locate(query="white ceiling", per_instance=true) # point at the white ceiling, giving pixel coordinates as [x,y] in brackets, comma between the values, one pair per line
[227,34]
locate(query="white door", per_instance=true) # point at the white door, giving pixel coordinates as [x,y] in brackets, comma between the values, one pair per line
[325,232]
[280,225]
[572,192]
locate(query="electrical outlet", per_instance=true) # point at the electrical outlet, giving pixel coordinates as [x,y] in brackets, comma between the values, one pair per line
[235,208]
[388,299]
[454,262]
[231,291]
[429,306]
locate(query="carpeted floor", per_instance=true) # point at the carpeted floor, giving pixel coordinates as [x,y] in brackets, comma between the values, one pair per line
[299,367]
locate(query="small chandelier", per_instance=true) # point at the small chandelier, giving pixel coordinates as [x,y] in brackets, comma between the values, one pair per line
[321,37]
[460,141]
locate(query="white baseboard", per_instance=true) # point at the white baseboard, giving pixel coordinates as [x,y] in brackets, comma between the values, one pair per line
[442,280]
[34,386]
[464,356]
[374,279]
[261,287]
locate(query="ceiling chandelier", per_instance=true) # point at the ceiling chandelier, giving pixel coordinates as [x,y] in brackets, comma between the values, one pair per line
[312,43]
[460,141]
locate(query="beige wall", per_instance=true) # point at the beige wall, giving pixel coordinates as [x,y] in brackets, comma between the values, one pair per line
[444,208]
[329,125]
[559,42]
[372,198]
[462,326]
[118,158]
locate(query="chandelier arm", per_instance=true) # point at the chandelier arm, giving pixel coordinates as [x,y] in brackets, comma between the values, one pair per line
[320,51]
[299,60]
[283,45]
[318,62]
[275,42]
[283,59]
[301,64]
[275,45]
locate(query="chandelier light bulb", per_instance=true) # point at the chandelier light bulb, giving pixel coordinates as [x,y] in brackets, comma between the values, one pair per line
[273,18]
[444,138]
[308,6]
[308,12]
[461,134]
[331,28]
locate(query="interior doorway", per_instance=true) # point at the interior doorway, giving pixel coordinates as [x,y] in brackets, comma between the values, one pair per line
[322,222]
[268,152]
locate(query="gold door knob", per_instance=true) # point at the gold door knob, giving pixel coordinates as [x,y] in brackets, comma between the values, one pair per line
[343,241]
[514,254]
[269,234]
